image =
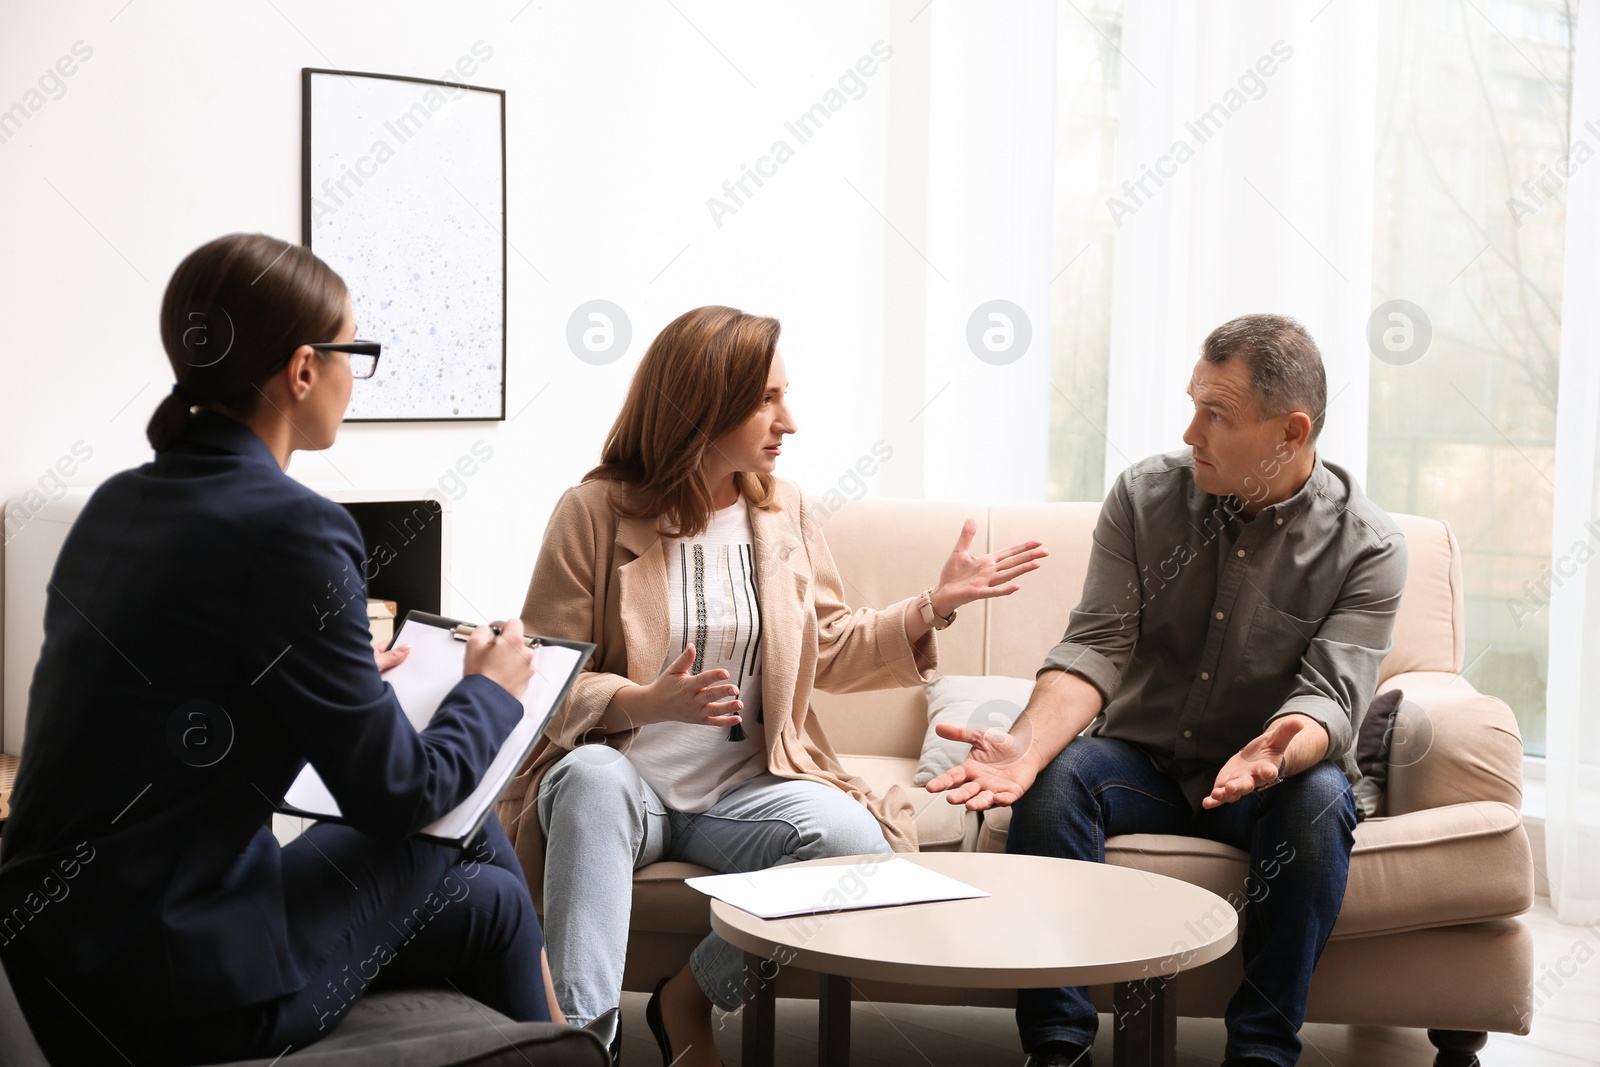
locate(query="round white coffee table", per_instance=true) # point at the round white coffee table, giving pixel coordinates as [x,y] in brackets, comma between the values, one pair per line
[1048,922]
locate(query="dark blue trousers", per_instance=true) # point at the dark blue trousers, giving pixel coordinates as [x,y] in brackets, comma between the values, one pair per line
[1299,834]
[364,914]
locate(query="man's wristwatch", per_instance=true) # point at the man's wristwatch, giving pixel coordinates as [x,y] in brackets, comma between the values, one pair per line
[934,620]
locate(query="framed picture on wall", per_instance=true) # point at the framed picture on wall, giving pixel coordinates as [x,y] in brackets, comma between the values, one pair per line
[405,196]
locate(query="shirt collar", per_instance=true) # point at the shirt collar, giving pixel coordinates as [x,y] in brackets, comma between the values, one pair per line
[1284,511]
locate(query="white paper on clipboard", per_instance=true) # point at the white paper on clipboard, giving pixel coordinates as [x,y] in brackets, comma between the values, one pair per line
[421,682]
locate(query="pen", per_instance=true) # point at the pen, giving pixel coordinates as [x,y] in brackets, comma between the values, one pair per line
[464,630]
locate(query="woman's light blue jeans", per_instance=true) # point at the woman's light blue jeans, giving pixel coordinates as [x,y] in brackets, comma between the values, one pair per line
[602,822]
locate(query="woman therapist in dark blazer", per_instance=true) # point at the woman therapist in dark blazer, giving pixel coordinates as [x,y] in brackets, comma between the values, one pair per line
[206,636]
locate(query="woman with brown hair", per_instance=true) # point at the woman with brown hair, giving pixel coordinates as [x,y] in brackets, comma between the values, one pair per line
[716,609]
[193,662]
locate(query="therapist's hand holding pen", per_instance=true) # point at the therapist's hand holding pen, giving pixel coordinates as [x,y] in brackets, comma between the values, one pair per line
[501,654]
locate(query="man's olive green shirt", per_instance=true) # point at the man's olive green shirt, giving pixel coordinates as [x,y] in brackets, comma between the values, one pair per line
[1199,626]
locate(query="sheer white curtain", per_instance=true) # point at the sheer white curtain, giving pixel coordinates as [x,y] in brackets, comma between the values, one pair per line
[1572,730]
[1265,207]
[967,227]
[990,125]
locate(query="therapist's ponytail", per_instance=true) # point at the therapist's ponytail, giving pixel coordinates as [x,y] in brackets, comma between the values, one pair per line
[235,310]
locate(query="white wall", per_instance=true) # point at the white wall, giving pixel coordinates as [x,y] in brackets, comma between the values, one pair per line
[622,120]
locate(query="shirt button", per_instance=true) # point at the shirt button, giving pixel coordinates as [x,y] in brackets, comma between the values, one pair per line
[1241,553]
[1280,522]
[1205,676]
[1188,733]
[1219,614]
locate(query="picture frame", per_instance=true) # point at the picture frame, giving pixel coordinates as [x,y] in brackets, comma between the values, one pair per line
[404,195]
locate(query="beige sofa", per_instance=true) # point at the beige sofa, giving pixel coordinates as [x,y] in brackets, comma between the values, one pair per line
[1428,936]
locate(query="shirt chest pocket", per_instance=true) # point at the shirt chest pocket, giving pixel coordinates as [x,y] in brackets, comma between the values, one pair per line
[1274,647]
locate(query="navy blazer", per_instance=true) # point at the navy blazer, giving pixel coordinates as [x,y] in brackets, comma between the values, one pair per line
[205,636]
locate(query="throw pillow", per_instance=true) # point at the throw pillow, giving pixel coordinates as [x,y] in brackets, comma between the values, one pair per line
[979,701]
[1372,752]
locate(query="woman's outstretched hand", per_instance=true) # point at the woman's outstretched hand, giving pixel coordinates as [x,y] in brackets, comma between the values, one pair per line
[966,577]
[707,698]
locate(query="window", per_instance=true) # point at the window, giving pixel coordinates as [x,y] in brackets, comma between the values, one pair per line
[1469,221]
[1087,68]
[1470,159]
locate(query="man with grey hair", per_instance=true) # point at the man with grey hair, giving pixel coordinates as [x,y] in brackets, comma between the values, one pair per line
[1240,597]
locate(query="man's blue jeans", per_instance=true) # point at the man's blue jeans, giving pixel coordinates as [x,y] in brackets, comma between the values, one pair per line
[1299,834]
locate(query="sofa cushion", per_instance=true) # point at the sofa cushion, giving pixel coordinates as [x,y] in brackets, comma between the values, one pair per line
[1025,627]
[663,904]
[941,826]
[1429,628]
[985,702]
[887,550]
[1451,744]
[1458,864]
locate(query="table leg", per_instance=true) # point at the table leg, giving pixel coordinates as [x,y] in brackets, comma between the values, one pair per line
[833,1022]
[759,1047]
[1146,1021]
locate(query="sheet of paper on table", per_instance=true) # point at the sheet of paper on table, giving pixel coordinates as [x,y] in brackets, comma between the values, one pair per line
[779,892]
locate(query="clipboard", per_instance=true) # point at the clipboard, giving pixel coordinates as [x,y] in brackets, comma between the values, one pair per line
[421,683]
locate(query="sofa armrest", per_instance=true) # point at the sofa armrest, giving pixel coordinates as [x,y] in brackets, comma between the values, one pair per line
[1450,744]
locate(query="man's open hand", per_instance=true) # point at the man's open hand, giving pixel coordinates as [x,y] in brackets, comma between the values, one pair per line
[1261,764]
[997,772]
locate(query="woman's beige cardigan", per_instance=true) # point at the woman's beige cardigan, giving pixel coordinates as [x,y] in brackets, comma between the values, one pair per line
[604,579]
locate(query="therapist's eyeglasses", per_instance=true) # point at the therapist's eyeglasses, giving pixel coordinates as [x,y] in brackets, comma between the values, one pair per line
[363,355]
